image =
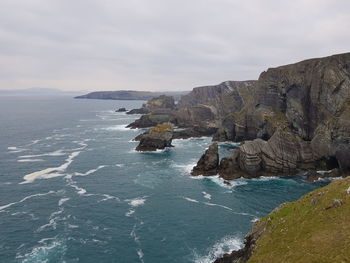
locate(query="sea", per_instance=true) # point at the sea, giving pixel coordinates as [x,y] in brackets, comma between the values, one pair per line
[73,189]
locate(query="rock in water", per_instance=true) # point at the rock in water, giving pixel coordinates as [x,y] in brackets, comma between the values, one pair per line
[209,162]
[121,110]
[156,138]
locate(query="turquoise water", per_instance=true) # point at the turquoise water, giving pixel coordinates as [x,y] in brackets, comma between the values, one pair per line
[72,189]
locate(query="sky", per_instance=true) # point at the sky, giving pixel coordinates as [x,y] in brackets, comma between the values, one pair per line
[161,44]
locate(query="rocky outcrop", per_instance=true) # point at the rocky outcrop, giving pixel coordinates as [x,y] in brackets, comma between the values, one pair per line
[152,119]
[224,98]
[138,111]
[278,237]
[195,131]
[157,138]
[121,110]
[208,163]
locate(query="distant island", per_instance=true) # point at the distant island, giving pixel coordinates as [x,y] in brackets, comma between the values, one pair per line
[129,95]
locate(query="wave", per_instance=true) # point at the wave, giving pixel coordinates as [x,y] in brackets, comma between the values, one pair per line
[13,149]
[48,249]
[206,195]
[120,127]
[222,182]
[223,246]
[109,197]
[139,201]
[29,160]
[184,168]
[48,172]
[130,213]
[26,198]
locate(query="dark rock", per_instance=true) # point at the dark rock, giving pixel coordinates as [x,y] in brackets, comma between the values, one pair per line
[229,167]
[209,162]
[313,175]
[195,131]
[152,119]
[138,111]
[158,137]
[121,110]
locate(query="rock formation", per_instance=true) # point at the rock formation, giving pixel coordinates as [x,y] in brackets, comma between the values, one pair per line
[208,163]
[157,138]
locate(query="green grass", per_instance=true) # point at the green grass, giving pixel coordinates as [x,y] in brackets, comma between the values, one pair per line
[163,127]
[308,232]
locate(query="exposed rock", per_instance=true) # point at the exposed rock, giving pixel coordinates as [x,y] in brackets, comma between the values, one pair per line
[195,131]
[138,111]
[229,167]
[224,98]
[161,102]
[156,138]
[313,176]
[152,119]
[199,115]
[209,162]
[121,110]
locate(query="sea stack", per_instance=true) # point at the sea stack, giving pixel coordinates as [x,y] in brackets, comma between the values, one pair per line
[156,138]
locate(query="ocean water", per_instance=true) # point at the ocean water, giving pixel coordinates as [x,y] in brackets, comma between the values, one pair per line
[72,189]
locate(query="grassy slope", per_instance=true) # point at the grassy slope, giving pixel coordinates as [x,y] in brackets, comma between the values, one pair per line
[303,231]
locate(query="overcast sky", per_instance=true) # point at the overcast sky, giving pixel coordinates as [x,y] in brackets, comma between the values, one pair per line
[161,44]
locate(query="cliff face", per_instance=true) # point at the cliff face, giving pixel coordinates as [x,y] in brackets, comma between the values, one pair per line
[313,229]
[302,110]
[309,92]
[223,99]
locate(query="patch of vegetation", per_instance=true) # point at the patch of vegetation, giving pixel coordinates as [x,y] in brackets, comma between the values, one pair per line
[163,127]
[314,229]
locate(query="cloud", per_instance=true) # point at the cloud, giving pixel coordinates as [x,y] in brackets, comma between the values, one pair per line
[161,45]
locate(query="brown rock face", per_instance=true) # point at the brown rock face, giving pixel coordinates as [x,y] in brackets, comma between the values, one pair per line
[209,162]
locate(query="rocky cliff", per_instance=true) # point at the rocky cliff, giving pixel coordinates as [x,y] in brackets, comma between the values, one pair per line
[313,229]
[301,115]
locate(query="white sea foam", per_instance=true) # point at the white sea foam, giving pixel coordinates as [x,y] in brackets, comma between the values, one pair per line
[120,165]
[130,212]
[206,195]
[140,254]
[109,197]
[225,245]
[190,199]
[221,182]
[26,198]
[212,204]
[13,149]
[120,127]
[55,153]
[48,172]
[136,201]
[90,171]
[62,201]
[45,251]
[185,168]
[29,160]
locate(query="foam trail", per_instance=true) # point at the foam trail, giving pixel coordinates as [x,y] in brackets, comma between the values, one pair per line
[29,160]
[90,171]
[26,198]
[47,173]
[206,195]
[191,200]
[62,201]
[55,153]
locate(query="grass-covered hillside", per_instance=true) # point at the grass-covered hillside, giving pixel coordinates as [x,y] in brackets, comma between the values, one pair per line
[314,229]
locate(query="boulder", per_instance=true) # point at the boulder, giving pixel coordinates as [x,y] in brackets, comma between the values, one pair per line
[209,162]
[158,137]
